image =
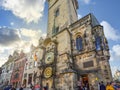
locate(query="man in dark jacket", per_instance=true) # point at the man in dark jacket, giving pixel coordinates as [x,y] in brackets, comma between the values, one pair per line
[13,88]
[102,86]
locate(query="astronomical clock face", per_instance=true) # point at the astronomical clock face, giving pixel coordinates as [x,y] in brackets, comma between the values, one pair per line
[48,72]
[49,58]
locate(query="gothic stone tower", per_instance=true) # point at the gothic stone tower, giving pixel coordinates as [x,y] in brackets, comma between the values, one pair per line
[73,49]
[61,13]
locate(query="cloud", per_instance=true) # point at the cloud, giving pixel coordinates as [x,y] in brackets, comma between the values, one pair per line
[86,1]
[114,69]
[8,36]
[31,35]
[79,16]
[115,52]
[110,32]
[3,60]
[28,10]
[12,23]
[17,39]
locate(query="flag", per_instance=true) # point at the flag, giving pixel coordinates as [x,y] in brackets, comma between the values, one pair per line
[35,57]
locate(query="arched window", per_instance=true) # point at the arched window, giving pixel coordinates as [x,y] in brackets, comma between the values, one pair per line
[79,43]
[97,43]
[104,42]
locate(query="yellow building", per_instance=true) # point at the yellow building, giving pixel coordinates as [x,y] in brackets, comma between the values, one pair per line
[73,49]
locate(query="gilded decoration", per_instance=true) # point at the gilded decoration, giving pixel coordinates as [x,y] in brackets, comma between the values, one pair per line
[48,72]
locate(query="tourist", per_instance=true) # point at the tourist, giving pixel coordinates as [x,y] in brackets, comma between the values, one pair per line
[116,86]
[98,86]
[37,86]
[85,87]
[109,86]
[102,86]
[79,85]
[31,85]
[22,87]
[91,87]
[46,87]
[13,88]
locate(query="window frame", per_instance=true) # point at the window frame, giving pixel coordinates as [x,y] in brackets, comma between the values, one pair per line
[98,42]
[57,12]
[79,44]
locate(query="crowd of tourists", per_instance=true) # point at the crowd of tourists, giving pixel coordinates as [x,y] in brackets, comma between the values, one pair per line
[80,86]
[101,86]
[108,86]
[22,87]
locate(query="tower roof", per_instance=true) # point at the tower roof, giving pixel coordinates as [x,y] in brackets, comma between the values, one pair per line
[94,20]
[89,17]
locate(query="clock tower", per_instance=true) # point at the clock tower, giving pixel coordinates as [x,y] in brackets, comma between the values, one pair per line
[61,13]
[74,51]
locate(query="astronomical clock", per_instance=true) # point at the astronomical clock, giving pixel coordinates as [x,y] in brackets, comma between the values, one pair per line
[49,59]
[48,72]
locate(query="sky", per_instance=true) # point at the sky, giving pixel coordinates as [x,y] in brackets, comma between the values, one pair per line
[23,22]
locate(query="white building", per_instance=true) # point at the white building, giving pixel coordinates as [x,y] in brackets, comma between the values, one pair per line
[31,66]
[117,75]
[7,69]
[3,75]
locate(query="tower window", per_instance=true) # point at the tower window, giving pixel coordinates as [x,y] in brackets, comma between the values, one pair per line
[79,43]
[55,30]
[97,43]
[57,12]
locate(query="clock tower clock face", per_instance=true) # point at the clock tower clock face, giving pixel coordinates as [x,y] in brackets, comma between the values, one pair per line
[48,72]
[49,58]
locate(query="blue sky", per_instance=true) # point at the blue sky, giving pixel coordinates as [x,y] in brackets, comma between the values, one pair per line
[23,22]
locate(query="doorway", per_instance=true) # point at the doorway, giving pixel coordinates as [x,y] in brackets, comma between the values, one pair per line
[85,80]
[29,78]
[24,82]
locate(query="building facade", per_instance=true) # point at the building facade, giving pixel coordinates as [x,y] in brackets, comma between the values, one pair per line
[19,63]
[9,68]
[0,75]
[117,76]
[3,75]
[31,66]
[73,49]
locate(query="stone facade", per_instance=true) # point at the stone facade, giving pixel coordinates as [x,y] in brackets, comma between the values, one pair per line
[61,13]
[73,49]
